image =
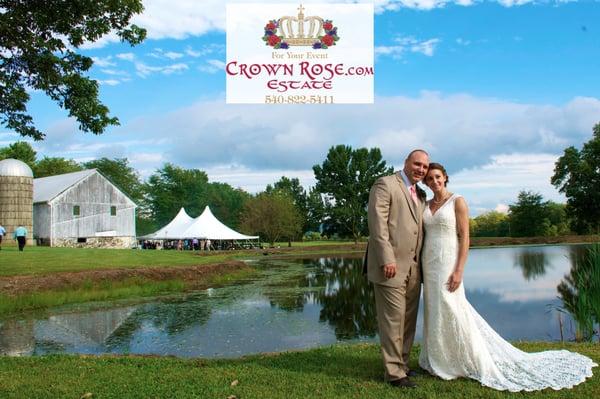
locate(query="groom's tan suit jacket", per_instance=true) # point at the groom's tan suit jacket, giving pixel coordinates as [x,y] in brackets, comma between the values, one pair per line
[395,236]
[395,230]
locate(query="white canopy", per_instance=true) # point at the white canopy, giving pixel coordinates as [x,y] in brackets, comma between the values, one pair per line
[205,226]
[174,228]
[208,226]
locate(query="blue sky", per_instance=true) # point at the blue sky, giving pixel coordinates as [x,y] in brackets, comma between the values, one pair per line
[495,90]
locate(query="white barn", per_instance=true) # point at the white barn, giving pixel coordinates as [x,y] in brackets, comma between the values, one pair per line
[82,209]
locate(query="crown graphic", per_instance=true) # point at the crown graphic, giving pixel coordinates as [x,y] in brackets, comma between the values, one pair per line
[300,30]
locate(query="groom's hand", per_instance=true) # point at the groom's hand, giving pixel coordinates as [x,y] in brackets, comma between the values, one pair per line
[389,270]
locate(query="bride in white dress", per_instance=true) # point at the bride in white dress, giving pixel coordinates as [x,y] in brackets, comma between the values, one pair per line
[457,342]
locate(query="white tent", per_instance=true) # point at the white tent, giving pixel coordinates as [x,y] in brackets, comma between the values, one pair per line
[205,226]
[173,230]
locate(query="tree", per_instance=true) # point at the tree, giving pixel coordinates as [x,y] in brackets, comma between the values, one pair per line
[51,166]
[315,211]
[345,179]
[293,189]
[38,43]
[271,215]
[527,215]
[121,175]
[20,150]
[577,175]
[227,203]
[530,217]
[490,224]
[172,188]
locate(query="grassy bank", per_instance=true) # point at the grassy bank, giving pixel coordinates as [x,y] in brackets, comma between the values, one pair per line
[45,260]
[343,371]
[107,290]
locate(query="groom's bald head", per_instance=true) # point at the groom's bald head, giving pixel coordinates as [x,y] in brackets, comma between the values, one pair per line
[415,165]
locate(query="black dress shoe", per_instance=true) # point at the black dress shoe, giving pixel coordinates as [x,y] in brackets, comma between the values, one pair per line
[412,373]
[403,383]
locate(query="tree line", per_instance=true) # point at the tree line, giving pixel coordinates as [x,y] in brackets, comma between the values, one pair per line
[336,205]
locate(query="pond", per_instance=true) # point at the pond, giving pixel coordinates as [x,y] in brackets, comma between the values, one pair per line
[294,304]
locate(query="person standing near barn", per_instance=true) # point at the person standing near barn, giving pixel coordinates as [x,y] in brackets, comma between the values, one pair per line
[20,235]
[2,233]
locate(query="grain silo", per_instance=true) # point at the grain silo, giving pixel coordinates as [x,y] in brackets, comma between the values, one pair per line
[16,197]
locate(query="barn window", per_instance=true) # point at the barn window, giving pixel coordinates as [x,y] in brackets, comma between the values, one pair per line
[76,210]
[113,211]
[81,240]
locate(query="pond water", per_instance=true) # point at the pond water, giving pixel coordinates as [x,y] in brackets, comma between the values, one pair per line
[293,304]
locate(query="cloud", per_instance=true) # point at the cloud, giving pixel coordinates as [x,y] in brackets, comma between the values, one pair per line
[499,181]
[181,19]
[145,70]
[103,62]
[212,66]
[109,82]
[171,55]
[126,56]
[492,148]
[408,44]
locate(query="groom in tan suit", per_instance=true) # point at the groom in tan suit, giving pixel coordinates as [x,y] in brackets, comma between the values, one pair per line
[395,212]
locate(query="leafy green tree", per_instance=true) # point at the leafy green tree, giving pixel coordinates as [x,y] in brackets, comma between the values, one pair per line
[21,150]
[51,166]
[490,224]
[315,211]
[273,216]
[38,43]
[528,216]
[171,188]
[121,174]
[227,203]
[345,179]
[296,192]
[577,175]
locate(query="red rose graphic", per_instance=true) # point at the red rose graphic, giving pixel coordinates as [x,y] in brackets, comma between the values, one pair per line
[273,40]
[328,26]
[327,40]
[270,26]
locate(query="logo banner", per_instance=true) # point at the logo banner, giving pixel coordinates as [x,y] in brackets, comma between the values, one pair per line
[299,54]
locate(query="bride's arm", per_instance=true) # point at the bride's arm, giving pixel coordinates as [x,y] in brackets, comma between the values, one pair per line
[462,227]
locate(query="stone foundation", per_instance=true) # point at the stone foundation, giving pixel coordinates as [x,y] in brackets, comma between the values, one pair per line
[96,242]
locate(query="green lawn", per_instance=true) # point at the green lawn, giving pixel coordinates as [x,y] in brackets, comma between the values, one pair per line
[342,371]
[45,260]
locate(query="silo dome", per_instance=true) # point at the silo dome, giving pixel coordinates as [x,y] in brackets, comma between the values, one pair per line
[14,167]
[16,197]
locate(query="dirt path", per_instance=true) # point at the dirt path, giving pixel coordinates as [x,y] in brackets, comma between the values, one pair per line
[197,275]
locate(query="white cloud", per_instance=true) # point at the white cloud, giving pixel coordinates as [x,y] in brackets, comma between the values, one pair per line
[502,208]
[103,62]
[500,181]
[463,42]
[126,56]
[492,148]
[167,19]
[408,44]
[145,70]
[109,82]
[212,66]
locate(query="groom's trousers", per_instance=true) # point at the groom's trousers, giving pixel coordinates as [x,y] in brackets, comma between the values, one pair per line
[397,309]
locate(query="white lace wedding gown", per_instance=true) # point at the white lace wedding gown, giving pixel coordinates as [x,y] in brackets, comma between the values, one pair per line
[457,342]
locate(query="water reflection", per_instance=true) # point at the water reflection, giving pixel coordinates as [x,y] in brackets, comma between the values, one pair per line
[295,304]
[532,262]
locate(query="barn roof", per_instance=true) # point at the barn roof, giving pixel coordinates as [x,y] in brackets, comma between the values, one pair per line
[45,189]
